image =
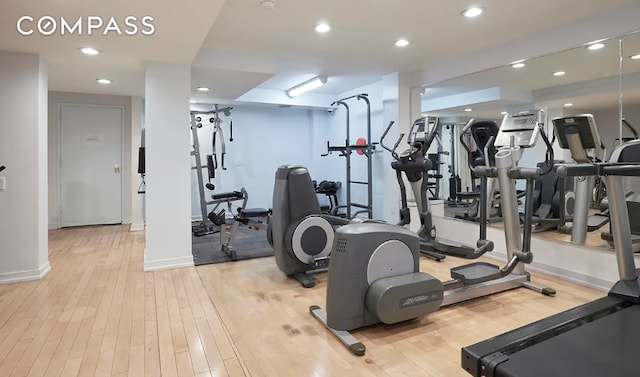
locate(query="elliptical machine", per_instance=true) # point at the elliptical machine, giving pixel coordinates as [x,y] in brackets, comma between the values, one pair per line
[482,131]
[579,134]
[415,166]
[301,236]
[375,277]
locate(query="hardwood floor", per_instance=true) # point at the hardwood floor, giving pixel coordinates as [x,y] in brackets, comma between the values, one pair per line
[97,313]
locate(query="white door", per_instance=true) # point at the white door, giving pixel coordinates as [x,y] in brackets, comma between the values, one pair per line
[90,165]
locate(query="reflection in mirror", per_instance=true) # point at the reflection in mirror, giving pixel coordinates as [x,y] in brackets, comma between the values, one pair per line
[585,79]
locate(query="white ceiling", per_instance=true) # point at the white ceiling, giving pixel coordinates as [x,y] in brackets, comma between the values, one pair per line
[591,81]
[237,47]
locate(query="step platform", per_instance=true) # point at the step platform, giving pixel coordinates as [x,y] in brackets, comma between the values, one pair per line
[595,222]
[473,273]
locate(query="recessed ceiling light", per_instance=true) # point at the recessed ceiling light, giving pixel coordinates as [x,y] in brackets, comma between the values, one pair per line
[322,27]
[595,46]
[635,57]
[472,12]
[203,88]
[402,42]
[104,81]
[559,73]
[518,65]
[568,104]
[89,51]
[193,101]
[268,4]
[468,110]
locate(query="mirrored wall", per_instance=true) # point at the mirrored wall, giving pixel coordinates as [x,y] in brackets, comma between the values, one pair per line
[594,78]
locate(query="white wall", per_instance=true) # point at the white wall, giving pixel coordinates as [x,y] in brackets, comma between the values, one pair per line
[58,98]
[263,139]
[23,150]
[167,146]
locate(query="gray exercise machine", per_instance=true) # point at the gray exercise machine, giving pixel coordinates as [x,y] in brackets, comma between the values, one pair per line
[301,236]
[374,275]
[415,166]
[599,338]
[579,134]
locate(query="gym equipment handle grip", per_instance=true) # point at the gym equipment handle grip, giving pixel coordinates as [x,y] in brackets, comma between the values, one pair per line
[624,170]
[576,170]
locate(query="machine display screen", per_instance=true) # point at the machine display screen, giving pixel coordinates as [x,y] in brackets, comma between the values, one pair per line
[520,129]
[519,123]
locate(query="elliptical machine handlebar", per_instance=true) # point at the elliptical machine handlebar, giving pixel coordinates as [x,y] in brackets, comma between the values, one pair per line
[395,146]
[550,156]
[466,146]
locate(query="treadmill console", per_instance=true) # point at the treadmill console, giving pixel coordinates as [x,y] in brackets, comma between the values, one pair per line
[420,131]
[584,125]
[522,127]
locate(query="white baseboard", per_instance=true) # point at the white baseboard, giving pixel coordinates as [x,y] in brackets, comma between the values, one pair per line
[136,227]
[165,264]
[562,274]
[21,276]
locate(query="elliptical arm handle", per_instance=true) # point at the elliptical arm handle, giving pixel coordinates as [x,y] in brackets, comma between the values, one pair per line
[630,127]
[395,146]
[464,144]
[550,157]
[431,136]
[490,142]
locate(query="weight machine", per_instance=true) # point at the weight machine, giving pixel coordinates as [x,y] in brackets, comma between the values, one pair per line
[205,227]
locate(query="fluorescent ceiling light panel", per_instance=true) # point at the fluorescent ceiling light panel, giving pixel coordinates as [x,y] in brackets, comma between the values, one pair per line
[89,51]
[595,46]
[306,86]
[104,81]
[322,27]
[472,12]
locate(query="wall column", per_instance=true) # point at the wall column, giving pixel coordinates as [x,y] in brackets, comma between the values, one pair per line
[168,166]
[23,150]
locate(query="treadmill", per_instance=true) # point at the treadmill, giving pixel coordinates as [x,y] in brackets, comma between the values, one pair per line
[599,338]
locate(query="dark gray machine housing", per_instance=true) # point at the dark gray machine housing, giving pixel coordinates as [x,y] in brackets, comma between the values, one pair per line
[378,262]
[300,234]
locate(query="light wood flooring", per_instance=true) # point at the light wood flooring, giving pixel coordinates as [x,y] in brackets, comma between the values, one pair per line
[97,313]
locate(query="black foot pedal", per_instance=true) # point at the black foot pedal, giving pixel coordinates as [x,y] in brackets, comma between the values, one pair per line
[475,272]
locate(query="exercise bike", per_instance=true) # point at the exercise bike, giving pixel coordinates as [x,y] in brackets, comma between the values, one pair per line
[374,275]
[415,166]
[300,234]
